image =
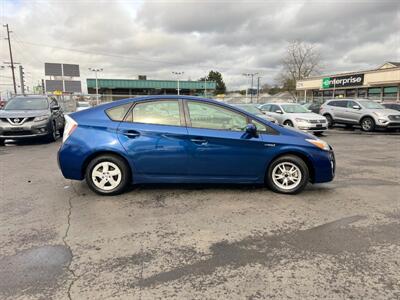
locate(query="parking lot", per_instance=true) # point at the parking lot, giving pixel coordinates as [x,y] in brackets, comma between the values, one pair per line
[333,241]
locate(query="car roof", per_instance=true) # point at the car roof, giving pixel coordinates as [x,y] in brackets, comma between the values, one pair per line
[159,97]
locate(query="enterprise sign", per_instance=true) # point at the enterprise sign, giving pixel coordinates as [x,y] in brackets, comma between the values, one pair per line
[342,81]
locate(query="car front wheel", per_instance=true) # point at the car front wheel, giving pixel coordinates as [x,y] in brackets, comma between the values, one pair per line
[288,123]
[367,124]
[287,174]
[107,175]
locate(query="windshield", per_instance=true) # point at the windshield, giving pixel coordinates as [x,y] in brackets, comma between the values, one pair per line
[294,108]
[371,105]
[251,109]
[27,104]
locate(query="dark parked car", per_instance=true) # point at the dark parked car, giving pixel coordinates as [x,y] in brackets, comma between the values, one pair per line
[395,106]
[31,117]
[313,106]
[182,139]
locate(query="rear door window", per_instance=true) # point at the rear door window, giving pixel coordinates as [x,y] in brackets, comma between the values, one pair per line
[162,112]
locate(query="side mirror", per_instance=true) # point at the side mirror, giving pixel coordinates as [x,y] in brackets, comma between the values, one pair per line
[251,129]
[356,107]
[55,108]
[278,111]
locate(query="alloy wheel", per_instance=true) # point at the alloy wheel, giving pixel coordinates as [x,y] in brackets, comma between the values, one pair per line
[106,175]
[367,124]
[286,175]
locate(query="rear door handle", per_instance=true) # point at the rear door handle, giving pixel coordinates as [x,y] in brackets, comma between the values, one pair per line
[199,141]
[131,134]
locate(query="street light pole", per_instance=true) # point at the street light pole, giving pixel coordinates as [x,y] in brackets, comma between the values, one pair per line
[95,70]
[177,76]
[252,82]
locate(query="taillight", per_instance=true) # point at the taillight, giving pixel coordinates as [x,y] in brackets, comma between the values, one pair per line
[69,128]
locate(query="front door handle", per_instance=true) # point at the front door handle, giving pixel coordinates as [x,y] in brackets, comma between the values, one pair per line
[199,141]
[131,134]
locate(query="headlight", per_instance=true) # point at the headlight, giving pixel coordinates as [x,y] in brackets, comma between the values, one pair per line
[319,143]
[41,118]
[302,120]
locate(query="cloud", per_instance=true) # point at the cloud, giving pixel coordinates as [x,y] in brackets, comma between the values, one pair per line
[127,38]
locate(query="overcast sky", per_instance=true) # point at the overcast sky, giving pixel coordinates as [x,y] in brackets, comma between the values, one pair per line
[127,38]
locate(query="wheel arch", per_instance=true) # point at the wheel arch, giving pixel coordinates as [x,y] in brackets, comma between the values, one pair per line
[104,152]
[299,154]
[367,116]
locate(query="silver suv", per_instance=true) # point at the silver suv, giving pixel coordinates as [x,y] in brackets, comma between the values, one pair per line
[31,116]
[367,113]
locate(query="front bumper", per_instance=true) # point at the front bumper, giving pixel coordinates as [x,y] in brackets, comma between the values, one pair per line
[24,131]
[388,125]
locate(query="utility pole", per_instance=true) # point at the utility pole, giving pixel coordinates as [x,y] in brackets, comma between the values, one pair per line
[177,76]
[11,57]
[21,76]
[95,70]
[258,87]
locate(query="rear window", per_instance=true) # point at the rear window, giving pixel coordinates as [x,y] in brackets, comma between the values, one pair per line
[118,113]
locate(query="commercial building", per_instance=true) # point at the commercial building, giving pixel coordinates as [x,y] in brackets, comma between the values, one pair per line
[143,86]
[380,84]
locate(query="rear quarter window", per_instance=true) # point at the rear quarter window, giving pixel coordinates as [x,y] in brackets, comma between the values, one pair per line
[118,113]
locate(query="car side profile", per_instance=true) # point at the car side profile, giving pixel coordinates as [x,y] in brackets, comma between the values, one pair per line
[296,115]
[183,139]
[31,116]
[366,113]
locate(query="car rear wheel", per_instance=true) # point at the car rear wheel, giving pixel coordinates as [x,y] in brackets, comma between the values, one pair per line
[288,123]
[2,142]
[367,124]
[288,174]
[107,175]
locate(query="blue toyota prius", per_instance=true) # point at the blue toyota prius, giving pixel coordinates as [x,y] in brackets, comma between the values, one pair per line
[182,139]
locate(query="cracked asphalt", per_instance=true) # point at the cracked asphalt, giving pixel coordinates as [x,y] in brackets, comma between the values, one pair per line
[339,240]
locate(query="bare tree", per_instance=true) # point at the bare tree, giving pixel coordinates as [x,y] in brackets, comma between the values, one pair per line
[301,60]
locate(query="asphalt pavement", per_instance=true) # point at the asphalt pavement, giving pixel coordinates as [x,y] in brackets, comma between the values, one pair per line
[339,240]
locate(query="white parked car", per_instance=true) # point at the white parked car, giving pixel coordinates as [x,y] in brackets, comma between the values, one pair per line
[82,105]
[296,115]
[253,109]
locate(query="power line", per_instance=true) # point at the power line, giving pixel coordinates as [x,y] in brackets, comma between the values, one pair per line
[98,53]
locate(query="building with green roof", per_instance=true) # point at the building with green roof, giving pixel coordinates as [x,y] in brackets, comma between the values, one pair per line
[132,87]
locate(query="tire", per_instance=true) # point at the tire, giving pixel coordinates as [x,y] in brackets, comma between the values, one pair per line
[330,120]
[52,135]
[2,142]
[287,162]
[367,124]
[288,123]
[103,165]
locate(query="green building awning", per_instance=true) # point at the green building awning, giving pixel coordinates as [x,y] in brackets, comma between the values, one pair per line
[148,84]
